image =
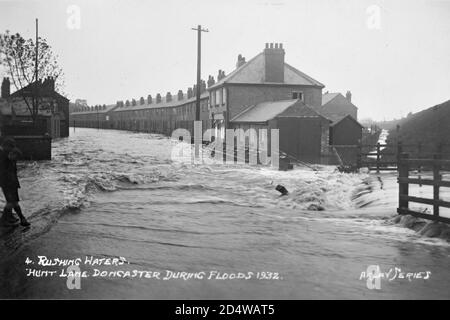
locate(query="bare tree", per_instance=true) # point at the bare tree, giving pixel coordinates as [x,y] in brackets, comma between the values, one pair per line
[18,57]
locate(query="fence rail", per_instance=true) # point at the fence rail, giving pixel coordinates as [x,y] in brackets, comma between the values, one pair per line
[385,157]
[404,167]
[379,162]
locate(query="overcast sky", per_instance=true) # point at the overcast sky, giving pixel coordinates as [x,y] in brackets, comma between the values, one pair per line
[128,49]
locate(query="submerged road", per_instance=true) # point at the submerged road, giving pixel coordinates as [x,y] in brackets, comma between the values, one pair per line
[189,229]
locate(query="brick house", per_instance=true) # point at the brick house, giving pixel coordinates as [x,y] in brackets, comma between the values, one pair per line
[278,96]
[53,113]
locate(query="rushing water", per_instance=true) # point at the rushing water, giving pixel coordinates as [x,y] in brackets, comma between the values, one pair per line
[112,193]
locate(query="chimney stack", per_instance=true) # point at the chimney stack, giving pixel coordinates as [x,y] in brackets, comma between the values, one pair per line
[211,81]
[220,75]
[127,103]
[203,86]
[180,95]
[6,88]
[133,102]
[240,61]
[274,62]
[141,101]
[348,95]
[158,98]
[149,99]
[190,94]
[168,97]
[195,91]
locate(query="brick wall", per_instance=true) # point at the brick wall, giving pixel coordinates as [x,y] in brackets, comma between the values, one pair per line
[34,147]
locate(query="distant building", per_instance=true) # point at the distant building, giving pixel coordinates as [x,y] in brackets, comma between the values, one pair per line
[345,131]
[52,117]
[93,117]
[335,106]
[77,105]
[343,114]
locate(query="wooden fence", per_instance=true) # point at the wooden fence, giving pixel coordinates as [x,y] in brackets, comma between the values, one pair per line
[437,165]
[385,157]
[382,161]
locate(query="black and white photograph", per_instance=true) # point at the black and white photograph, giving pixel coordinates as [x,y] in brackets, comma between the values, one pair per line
[227,151]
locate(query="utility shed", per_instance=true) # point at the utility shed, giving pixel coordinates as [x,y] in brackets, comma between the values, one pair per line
[345,131]
[303,132]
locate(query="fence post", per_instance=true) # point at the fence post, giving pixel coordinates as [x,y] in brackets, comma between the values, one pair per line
[403,187]
[359,156]
[399,152]
[436,179]
[378,157]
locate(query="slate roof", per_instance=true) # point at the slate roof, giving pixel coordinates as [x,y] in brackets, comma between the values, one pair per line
[338,120]
[253,72]
[268,110]
[163,104]
[327,97]
[109,107]
[44,90]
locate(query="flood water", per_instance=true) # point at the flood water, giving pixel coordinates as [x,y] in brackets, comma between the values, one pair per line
[119,194]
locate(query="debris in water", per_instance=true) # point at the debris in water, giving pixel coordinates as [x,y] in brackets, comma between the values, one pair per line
[315,207]
[281,189]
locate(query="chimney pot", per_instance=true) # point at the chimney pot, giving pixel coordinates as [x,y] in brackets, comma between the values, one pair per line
[158,98]
[149,99]
[6,88]
[211,81]
[348,95]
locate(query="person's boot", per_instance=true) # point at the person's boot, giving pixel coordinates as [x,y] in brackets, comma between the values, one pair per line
[23,220]
[8,217]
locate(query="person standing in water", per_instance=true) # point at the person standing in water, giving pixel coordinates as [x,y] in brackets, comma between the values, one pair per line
[9,182]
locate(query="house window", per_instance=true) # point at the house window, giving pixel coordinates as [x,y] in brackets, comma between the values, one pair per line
[219,100]
[214,99]
[297,95]
[224,96]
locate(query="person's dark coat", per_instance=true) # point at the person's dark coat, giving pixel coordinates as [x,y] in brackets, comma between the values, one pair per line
[8,171]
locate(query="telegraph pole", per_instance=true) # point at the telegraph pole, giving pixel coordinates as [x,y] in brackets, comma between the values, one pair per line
[36,84]
[199,61]
[37,45]
[198,137]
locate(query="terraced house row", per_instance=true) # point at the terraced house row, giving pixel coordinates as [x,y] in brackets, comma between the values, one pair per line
[262,93]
